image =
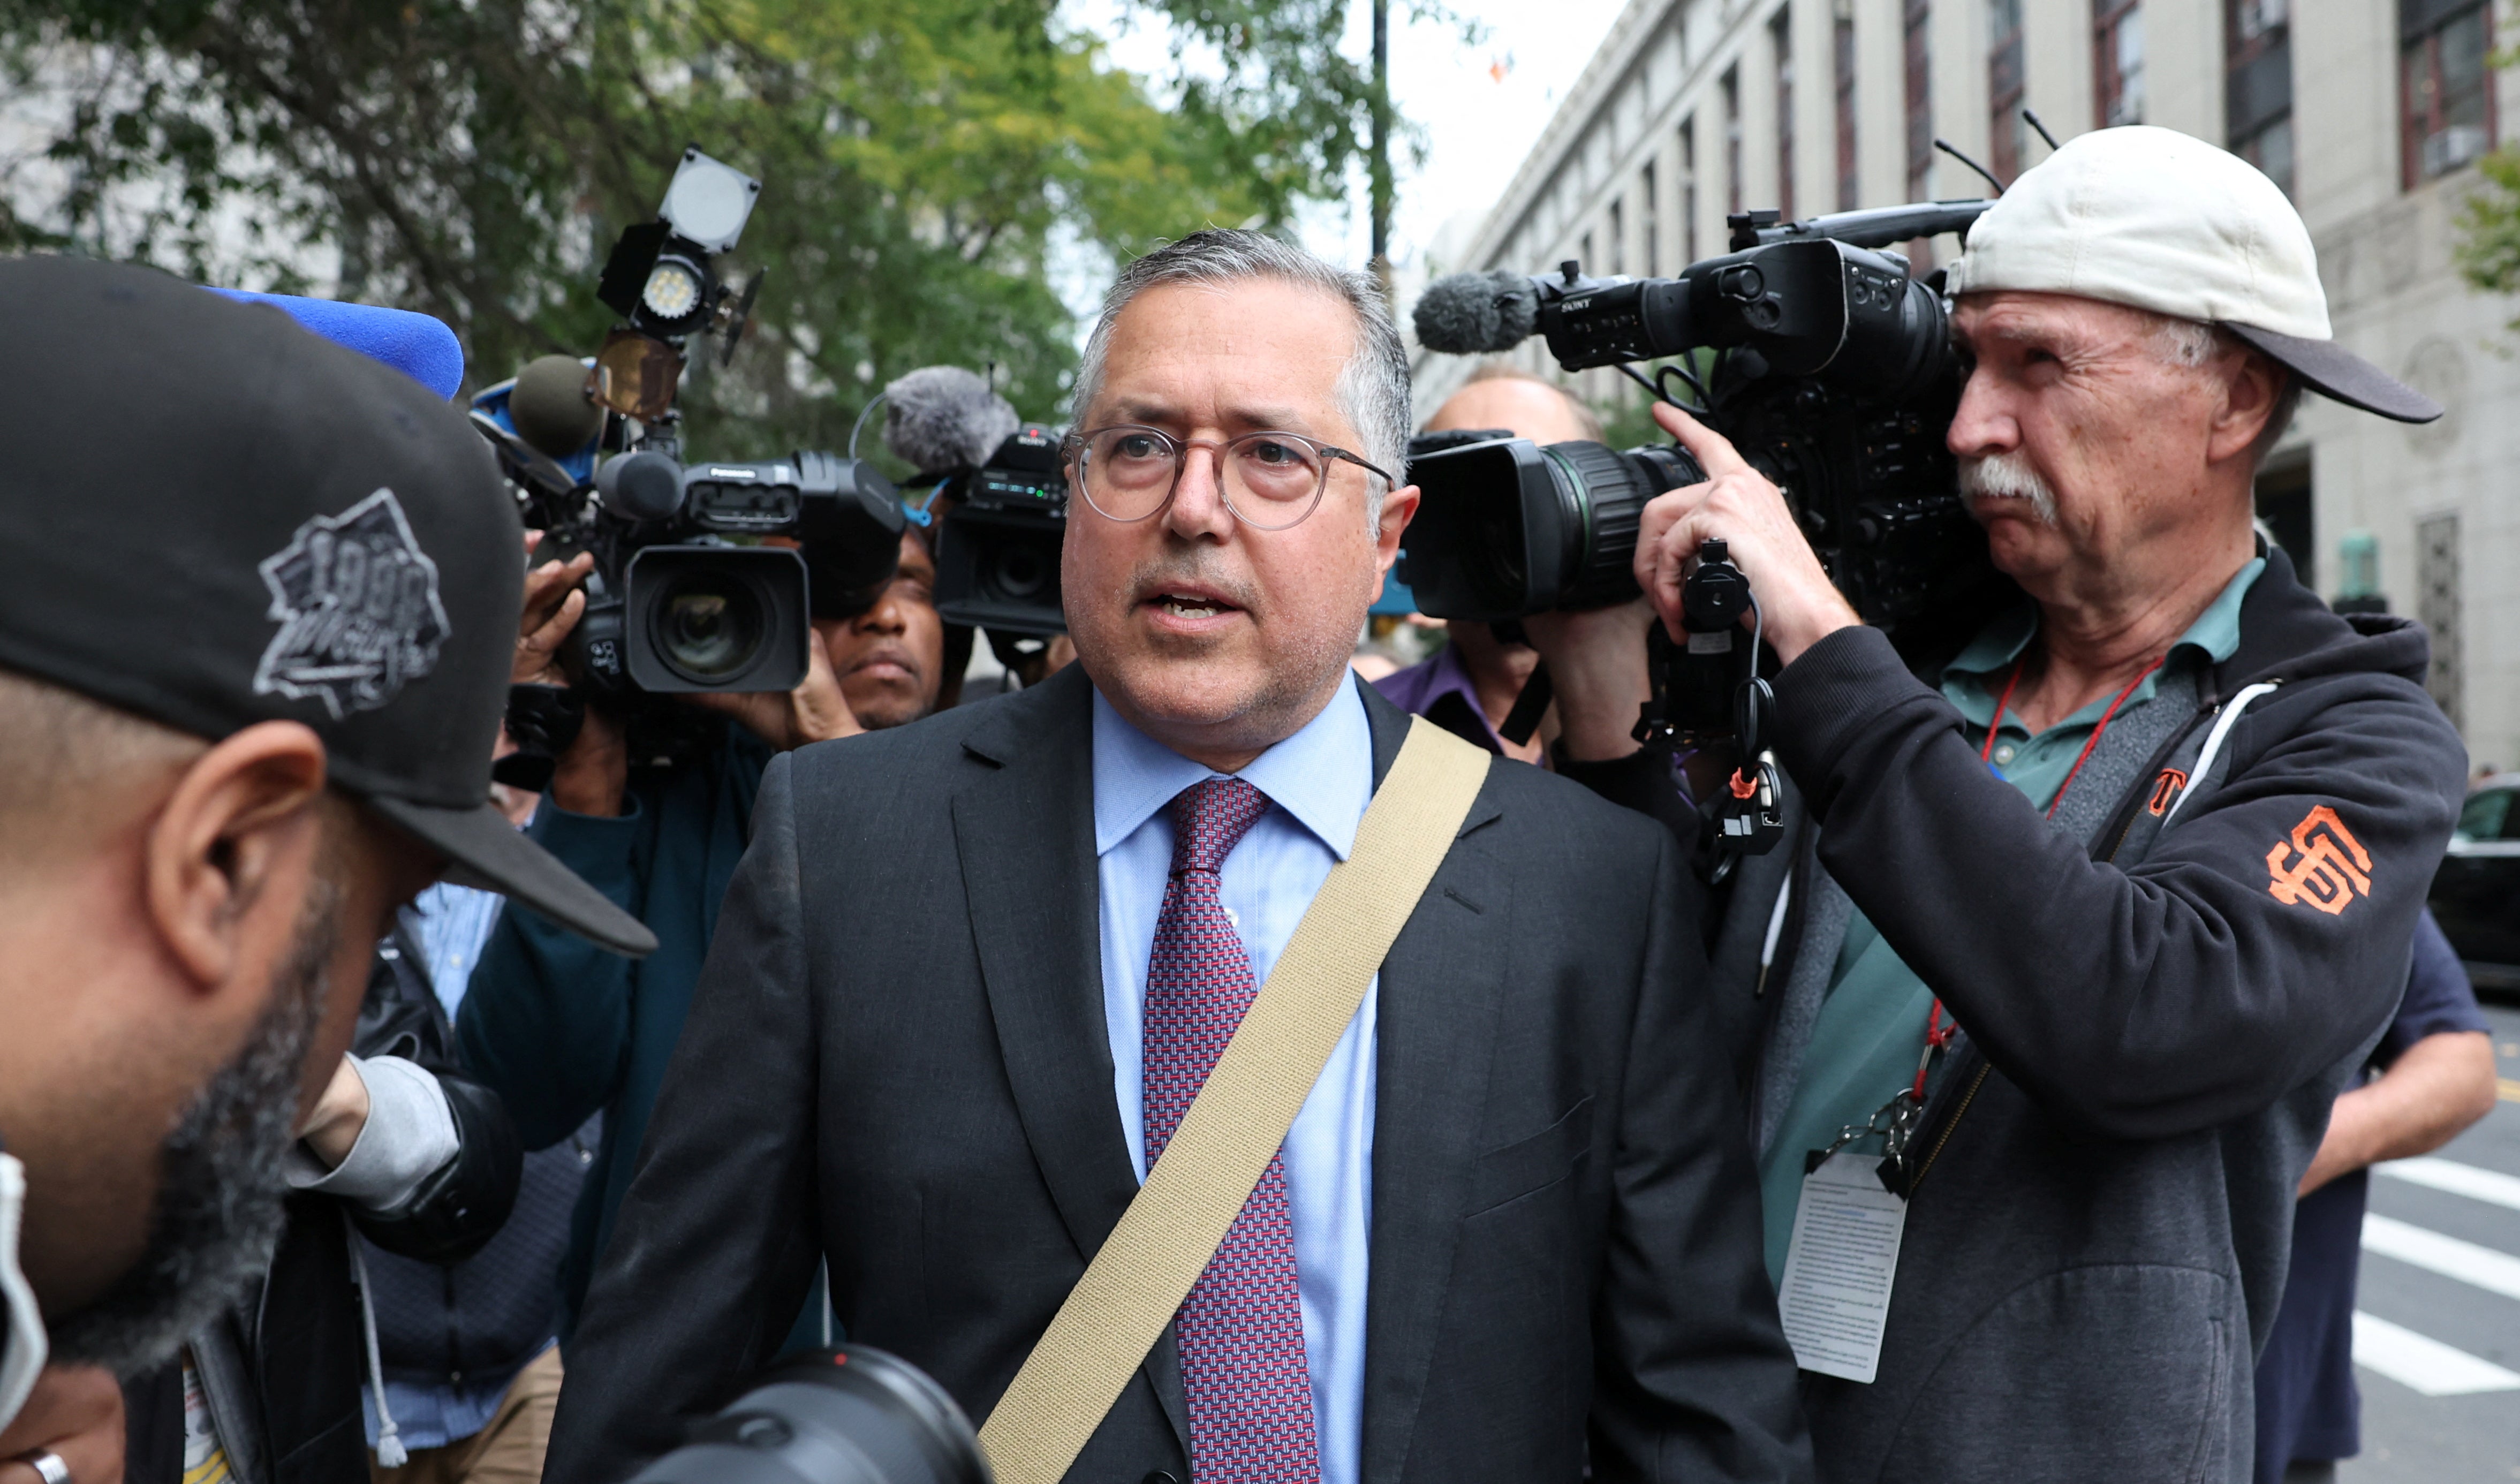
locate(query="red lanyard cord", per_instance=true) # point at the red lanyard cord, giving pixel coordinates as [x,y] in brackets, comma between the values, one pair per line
[1937,1034]
[1986,753]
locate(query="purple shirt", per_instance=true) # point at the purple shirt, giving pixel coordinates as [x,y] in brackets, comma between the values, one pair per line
[1440,690]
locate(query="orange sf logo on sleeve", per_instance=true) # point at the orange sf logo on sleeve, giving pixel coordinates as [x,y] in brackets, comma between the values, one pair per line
[2328,867]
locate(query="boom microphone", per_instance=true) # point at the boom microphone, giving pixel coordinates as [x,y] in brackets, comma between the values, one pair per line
[943,419]
[1473,313]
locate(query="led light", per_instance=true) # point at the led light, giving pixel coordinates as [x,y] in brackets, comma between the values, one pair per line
[673,290]
[708,201]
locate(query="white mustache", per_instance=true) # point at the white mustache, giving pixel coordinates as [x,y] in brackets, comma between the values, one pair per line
[2009,476]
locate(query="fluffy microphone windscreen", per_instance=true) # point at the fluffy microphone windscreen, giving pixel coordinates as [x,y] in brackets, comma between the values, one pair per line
[941,418]
[550,407]
[1474,314]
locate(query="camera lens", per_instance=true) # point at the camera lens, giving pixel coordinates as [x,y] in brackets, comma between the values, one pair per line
[1604,491]
[708,627]
[1019,573]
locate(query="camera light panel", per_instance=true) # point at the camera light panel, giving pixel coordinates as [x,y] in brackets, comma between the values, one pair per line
[708,201]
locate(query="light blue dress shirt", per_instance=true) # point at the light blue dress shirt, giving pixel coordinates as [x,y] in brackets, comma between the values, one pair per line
[1318,782]
[455,921]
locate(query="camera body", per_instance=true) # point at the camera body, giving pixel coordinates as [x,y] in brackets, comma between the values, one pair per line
[707,578]
[997,549]
[1815,352]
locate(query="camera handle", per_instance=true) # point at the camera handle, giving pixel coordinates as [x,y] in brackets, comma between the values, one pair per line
[1708,692]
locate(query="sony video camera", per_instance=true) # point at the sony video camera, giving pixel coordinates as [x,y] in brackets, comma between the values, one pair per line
[997,559]
[1829,368]
[707,574]
[1808,345]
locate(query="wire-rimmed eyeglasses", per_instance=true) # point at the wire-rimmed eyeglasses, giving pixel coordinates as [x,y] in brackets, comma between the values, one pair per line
[1270,481]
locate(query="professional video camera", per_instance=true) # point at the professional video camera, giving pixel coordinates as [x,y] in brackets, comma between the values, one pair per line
[1827,364]
[706,576]
[1005,491]
[851,1415]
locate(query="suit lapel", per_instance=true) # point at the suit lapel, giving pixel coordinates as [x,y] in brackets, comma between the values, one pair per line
[1025,832]
[1435,1028]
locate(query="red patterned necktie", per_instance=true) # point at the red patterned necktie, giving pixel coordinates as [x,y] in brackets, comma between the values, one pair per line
[1241,1329]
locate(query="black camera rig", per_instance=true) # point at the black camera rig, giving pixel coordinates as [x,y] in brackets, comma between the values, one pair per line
[1827,364]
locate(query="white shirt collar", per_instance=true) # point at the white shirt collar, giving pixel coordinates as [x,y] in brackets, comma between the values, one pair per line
[1322,775]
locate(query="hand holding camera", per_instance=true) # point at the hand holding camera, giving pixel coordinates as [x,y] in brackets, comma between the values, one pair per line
[1742,506]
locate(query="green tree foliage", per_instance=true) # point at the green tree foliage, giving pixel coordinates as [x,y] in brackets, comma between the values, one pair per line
[923,163]
[2487,235]
[2487,245]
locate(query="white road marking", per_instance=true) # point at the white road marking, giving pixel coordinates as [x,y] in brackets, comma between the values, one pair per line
[2493,1272]
[2423,1365]
[2458,1179]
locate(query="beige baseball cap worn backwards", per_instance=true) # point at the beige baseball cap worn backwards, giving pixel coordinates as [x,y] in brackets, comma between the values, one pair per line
[2156,219]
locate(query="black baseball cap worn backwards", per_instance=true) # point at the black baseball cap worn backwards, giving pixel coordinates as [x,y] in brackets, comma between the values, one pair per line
[216,517]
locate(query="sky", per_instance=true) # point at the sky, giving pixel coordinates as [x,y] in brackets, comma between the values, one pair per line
[1481,106]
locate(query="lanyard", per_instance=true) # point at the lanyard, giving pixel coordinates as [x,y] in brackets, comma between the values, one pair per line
[1938,1035]
[1986,753]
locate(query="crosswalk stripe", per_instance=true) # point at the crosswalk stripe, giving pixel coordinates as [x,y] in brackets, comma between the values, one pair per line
[2458,1179]
[2494,1272]
[2424,1365]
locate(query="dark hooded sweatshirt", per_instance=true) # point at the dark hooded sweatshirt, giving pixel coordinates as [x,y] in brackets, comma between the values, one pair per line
[2157,1018]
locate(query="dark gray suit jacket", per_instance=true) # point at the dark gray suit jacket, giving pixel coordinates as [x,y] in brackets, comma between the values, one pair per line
[896,1061]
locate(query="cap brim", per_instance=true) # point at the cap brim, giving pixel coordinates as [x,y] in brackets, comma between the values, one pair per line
[2339,373]
[493,854]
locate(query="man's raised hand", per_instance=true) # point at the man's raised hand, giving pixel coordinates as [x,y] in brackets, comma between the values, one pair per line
[555,599]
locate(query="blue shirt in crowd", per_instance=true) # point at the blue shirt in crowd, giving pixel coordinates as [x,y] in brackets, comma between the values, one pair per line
[1318,782]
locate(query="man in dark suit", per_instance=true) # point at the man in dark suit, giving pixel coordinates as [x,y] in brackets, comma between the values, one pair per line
[1513,1229]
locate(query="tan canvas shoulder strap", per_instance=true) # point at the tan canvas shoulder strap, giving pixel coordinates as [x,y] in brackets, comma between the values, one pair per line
[1137,1282]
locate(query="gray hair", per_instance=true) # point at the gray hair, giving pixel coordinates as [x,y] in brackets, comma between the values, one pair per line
[2191,343]
[1373,391]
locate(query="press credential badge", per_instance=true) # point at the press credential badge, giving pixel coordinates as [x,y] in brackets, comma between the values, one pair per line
[1844,1254]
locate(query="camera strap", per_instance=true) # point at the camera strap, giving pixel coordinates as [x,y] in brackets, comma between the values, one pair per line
[1136,1283]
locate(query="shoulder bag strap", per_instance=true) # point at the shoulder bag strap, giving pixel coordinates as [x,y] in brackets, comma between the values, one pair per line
[1138,1280]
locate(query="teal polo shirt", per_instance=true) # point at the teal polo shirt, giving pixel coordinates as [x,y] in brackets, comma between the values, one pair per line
[1871,1026]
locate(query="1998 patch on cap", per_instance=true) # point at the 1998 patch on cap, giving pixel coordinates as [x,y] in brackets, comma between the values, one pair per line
[214,518]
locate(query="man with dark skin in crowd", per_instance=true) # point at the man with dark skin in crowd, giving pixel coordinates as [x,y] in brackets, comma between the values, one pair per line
[205,823]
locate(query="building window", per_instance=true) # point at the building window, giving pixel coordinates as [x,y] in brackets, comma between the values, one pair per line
[2117,62]
[1733,140]
[1688,189]
[2437,605]
[1920,58]
[1780,42]
[2257,86]
[1849,188]
[2446,76]
[1584,255]
[2003,126]
[1653,221]
[1618,238]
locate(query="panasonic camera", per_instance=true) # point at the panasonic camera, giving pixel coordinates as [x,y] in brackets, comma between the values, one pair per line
[1809,345]
[708,575]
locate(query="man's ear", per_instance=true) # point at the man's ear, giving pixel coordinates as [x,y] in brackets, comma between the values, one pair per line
[1399,508]
[2251,387]
[243,828]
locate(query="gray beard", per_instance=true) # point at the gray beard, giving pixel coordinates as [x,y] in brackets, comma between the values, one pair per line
[222,1175]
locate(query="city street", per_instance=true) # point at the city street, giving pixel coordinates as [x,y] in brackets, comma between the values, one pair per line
[2436,1332]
